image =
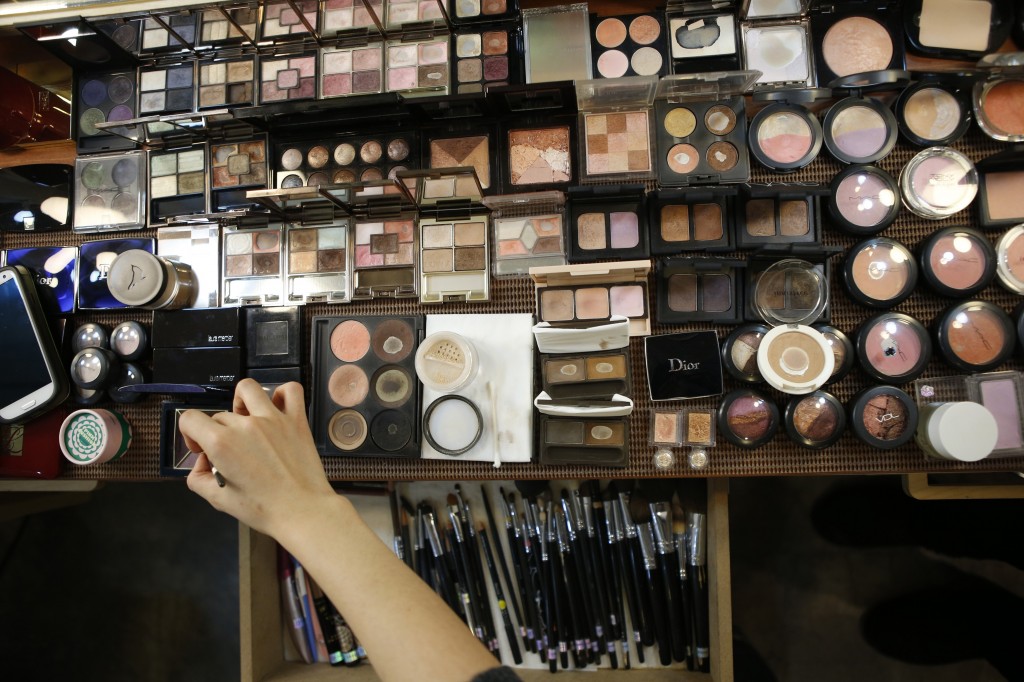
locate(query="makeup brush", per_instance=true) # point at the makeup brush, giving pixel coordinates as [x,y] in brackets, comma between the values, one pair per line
[686,610]
[556,645]
[571,584]
[502,562]
[531,536]
[657,594]
[476,568]
[463,570]
[627,574]
[661,524]
[606,615]
[697,555]
[581,576]
[510,633]
[609,556]
[632,548]
[527,573]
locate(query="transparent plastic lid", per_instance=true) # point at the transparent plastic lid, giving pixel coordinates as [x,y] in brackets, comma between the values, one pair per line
[790,291]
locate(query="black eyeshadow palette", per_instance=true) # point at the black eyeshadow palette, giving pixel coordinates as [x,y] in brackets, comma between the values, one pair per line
[607,222]
[629,45]
[590,442]
[224,83]
[346,159]
[779,213]
[104,98]
[700,124]
[487,56]
[110,192]
[594,375]
[236,168]
[692,219]
[167,89]
[700,290]
[366,398]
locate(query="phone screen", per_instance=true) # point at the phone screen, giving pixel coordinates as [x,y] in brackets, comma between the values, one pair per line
[25,369]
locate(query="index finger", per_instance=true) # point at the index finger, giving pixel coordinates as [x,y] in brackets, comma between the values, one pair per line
[251,399]
[198,428]
[288,398]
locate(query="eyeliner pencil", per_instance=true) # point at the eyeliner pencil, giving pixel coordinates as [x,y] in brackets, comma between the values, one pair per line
[510,632]
[503,565]
[462,572]
[571,584]
[519,566]
[581,579]
[532,536]
[631,577]
[475,569]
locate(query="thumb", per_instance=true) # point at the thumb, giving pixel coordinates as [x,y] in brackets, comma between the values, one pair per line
[201,480]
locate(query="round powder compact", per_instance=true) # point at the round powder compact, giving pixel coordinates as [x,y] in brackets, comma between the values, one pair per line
[975,336]
[933,111]
[739,352]
[795,359]
[856,44]
[864,200]
[938,182]
[999,106]
[880,273]
[1010,259]
[129,341]
[1018,323]
[893,347]
[747,418]
[957,262]
[883,417]
[842,351]
[860,129]
[784,136]
[814,421]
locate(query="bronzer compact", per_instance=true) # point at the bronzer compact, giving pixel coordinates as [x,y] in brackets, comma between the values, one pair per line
[861,129]
[700,290]
[609,221]
[528,231]
[629,45]
[615,128]
[779,213]
[701,126]
[1000,199]
[998,97]
[856,36]
[365,398]
[592,293]
[691,219]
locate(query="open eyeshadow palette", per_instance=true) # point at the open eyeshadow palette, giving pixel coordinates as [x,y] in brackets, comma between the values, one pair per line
[287,78]
[528,231]
[400,12]
[702,39]
[220,27]
[587,293]
[417,67]
[700,290]
[632,45]
[769,30]
[345,160]
[252,272]
[591,442]
[539,157]
[176,458]
[104,98]
[365,398]
[227,83]
[486,56]
[177,183]
[469,11]
[472,148]
[237,167]
[318,264]
[157,38]
[692,219]
[167,89]
[110,192]
[385,259]
[348,71]
[609,221]
[281,20]
[338,16]
[615,128]
[596,375]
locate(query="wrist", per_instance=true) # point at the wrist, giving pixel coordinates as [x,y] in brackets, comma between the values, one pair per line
[308,520]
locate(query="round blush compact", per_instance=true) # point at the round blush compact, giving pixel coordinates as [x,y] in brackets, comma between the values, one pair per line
[999,100]
[842,351]
[938,182]
[957,262]
[747,418]
[883,417]
[1010,259]
[934,110]
[880,273]
[975,336]
[893,347]
[795,359]
[739,352]
[815,421]
[864,200]
[785,136]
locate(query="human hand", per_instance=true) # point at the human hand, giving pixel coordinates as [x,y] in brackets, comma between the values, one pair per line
[264,450]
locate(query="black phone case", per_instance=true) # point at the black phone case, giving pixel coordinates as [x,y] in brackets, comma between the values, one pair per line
[44,339]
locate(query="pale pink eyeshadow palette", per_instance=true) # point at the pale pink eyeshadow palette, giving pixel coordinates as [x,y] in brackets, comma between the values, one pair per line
[417,66]
[279,19]
[287,78]
[351,71]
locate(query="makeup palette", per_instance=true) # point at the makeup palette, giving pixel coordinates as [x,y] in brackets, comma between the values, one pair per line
[587,293]
[1000,201]
[615,128]
[454,236]
[957,262]
[287,78]
[789,284]
[975,336]
[785,136]
[935,109]
[893,347]
[228,25]
[856,36]
[177,184]
[345,160]
[417,67]
[702,40]
[365,395]
[779,213]
[167,89]
[609,221]
[628,45]
[464,11]
[597,375]
[883,417]
[864,200]
[699,290]
[528,231]
[486,56]
[227,83]
[880,273]
[701,128]
[386,249]
[338,17]
[776,40]
[252,270]
[693,219]
[110,192]
[280,19]
[472,148]
[557,43]
[94,262]
[589,442]
[199,246]
[957,29]
[236,168]
[539,157]
[318,264]
[400,12]
[348,71]
[860,129]
[104,98]
[1002,393]
[173,32]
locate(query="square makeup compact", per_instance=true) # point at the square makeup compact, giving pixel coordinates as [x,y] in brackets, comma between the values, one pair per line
[779,213]
[1000,200]
[177,184]
[630,45]
[776,39]
[385,249]
[199,246]
[528,231]
[588,442]
[167,89]
[417,67]
[958,29]
[110,192]
[287,78]
[702,39]
[683,366]
[228,25]
[273,337]
[94,261]
[700,290]
[856,36]
[606,222]
[701,128]
[471,147]
[252,271]
[346,159]
[615,128]
[580,295]
[472,11]
[280,19]
[103,98]
[557,43]
[224,83]
[168,33]
[365,398]
[487,55]
[593,376]
[341,16]
[454,246]
[236,168]
[693,219]
[348,71]
[176,458]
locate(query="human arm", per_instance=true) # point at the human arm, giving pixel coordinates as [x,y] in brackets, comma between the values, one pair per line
[276,485]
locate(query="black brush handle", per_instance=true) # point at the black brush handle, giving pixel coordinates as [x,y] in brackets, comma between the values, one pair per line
[676,625]
[655,588]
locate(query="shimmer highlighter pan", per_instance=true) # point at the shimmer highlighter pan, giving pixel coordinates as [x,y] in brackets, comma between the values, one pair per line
[629,45]
[692,219]
[864,200]
[856,37]
[110,192]
[474,150]
[747,418]
[975,336]
[365,398]
[104,98]
[607,222]
[578,295]
[935,109]
[957,261]
[528,231]
[251,269]
[861,129]
[893,347]
[880,273]
[785,136]
[539,157]
[615,125]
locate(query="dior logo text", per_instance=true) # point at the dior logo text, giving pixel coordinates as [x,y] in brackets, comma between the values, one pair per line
[677,365]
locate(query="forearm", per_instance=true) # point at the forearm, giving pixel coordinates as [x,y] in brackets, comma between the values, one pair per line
[407,630]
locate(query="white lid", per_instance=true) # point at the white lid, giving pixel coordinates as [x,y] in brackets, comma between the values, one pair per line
[608,335]
[963,431]
[795,359]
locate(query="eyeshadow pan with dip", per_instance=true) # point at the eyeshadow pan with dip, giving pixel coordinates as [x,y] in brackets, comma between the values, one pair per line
[365,397]
[586,293]
[957,29]
[893,347]
[628,45]
[935,109]
[699,289]
[975,336]
[780,51]
[779,213]
[864,200]
[1010,259]
[785,136]
[607,222]
[739,352]
[1000,199]
[842,351]
[957,262]
[815,421]
[856,37]
[998,99]
[883,417]
[691,219]
[880,273]
[938,182]
[861,129]
[747,418]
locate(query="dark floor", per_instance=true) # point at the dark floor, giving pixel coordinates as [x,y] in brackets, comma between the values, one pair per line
[837,579]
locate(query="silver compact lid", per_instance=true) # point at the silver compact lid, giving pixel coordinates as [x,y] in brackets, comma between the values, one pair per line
[136,277]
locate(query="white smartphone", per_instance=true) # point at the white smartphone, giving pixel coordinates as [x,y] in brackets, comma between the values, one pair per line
[33,379]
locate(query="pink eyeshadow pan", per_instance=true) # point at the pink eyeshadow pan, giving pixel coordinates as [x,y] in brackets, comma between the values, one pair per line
[628,300]
[625,230]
